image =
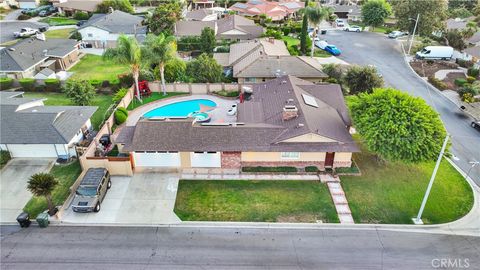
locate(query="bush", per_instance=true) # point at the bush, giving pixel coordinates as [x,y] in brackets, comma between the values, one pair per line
[333,71]
[28,84]
[119,95]
[222,49]
[269,169]
[23,17]
[96,83]
[80,92]
[114,84]
[80,15]
[121,115]
[467,98]
[189,43]
[311,169]
[331,80]
[52,85]
[224,93]
[5,83]
[75,35]
[469,89]
[474,72]
[40,88]
[273,33]
[437,83]
[470,79]
[464,63]
[293,50]
[4,157]
[126,79]
[286,30]
[460,82]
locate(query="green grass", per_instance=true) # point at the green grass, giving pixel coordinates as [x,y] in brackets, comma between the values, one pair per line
[393,192]
[66,176]
[59,33]
[153,97]
[93,67]
[261,201]
[291,41]
[55,21]
[295,42]
[59,99]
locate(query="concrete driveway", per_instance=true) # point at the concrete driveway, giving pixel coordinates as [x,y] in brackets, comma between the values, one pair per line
[8,27]
[145,198]
[13,189]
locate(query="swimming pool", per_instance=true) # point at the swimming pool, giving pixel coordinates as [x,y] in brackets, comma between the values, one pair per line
[182,108]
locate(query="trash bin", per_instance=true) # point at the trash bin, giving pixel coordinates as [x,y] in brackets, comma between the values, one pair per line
[24,220]
[323,32]
[42,220]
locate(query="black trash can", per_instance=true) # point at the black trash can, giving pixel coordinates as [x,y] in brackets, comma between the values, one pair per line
[323,32]
[24,220]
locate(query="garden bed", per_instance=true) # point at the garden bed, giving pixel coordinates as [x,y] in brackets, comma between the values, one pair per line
[426,68]
[450,80]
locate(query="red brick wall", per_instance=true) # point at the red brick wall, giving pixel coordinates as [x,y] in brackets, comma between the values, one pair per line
[231,160]
[337,164]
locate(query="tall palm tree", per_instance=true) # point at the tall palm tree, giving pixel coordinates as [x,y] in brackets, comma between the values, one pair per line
[159,50]
[128,51]
[315,16]
[43,184]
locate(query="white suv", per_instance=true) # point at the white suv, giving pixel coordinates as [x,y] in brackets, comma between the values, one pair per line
[352,28]
[26,32]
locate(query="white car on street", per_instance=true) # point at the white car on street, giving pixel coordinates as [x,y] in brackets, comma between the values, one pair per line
[26,32]
[321,44]
[352,28]
[339,23]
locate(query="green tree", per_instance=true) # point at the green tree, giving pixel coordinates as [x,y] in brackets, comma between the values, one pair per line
[433,14]
[127,52]
[122,5]
[459,13]
[205,69]
[333,71]
[315,16]
[159,50]
[397,126]
[175,70]
[374,12]
[43,184]
[362,79]
[80,92]
[455,39]
[467,4]
[207,40]
[304,33]
[164,17]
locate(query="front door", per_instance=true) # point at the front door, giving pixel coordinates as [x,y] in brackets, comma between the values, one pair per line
[329,157]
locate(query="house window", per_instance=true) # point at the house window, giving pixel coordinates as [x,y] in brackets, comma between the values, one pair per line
[290,155]
[250,80]
[90,35]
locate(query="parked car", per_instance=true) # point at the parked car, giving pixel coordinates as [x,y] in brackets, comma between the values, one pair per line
[339,23]
[26,32]
[45,13]
[435,52]
[332,49]
[43,28]
[352,28]
[80,23]
[396,34]
[476,125]
[26,10]
[321,44]
[92,190]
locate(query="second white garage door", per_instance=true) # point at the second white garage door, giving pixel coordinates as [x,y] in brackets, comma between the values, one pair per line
[157,159]
[206,159]
[32,150]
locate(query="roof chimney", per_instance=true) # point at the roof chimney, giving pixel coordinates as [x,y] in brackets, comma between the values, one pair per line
[289,112]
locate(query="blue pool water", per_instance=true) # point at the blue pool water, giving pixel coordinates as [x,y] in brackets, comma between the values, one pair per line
[180,109]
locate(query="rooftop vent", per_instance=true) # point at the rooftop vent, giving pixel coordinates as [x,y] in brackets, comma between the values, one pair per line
[300,125]
[289,112]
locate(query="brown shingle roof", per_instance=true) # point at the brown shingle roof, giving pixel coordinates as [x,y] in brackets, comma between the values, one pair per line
[268,67]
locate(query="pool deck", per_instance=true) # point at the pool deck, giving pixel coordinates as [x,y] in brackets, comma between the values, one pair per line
[217,115]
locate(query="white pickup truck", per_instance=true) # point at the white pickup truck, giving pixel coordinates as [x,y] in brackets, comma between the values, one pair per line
[26,32]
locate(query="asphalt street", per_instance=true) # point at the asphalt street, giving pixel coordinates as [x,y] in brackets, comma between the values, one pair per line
[8,27]
[221,248]
[368,48]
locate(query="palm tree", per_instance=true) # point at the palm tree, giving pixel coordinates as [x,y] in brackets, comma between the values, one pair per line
[43,184]
[159,50]
[315,16]
[128,51]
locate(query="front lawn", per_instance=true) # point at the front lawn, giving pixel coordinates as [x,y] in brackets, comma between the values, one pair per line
[153,97]
[93,67]
[55,21]
[59,33]
[291,41]
[66,176]
[393,192]
[260,201]
[59,99]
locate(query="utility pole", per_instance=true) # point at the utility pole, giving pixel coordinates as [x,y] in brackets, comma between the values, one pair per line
[413,35]
[418,219]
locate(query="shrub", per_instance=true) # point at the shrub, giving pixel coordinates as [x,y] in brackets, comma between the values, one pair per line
[460,81]
[119,95]
[126,79]
[80,15]
[75,35]
[470,79]
[121,115]
[4,157]
[474,72]
[224,93]
[105,83]
[468,98]
[80,92]
[311,169]
[52,85]
[189,43]
[269,169]
[95,83]
[5,83]
[464,63]
[286,30]
[28,84]
[293,50]
[23,17]
[40,88]
[114,84]
[222,49]
[437,83]
[333,71]
[273,33]
[469,89]
[331,80]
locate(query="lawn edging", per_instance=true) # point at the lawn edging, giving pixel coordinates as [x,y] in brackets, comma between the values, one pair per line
[70,197]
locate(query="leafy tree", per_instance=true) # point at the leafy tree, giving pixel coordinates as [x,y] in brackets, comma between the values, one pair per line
[159,50]
[459,13]
[374,12]
[467,4]
[122,5]
[362,79]
[43,184]
[333,71]
[175,70]
[315,16]
[75,35]
[470,30]
[127,52]
[397,126]
[164,17]
[205,69]
[304,33]
[454,38]
[207,40]
[433,14]
[80,92]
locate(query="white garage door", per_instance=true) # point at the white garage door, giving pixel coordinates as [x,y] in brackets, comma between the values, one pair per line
[27,5]
[157,159]
[32,150]
[206,159]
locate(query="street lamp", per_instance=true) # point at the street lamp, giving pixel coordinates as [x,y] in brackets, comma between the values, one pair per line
[474,163]
[414,29]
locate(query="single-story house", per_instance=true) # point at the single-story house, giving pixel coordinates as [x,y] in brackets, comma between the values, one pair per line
[69,7]
[275,10]
[29,56]
[197,4]
[204,14]
[285,122]
[22,4]
[30,129]
[350,12]
[232,27]
[103,30]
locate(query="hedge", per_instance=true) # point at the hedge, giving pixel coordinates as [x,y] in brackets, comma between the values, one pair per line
[28,84]
[96,83]
[121,115]
[80,15]
[474,72]
[460,81]
[224,93]
[437,83]
[4,157]
[5,83]
[470,79]
[114,84]
[269,169]
[311,169]
[52,85]
[354,169]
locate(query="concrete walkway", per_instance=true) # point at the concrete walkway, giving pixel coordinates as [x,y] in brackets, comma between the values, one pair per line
[340,201]
[442,74]
[196,176]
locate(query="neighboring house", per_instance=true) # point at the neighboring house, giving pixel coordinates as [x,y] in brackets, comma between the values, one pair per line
[275,10]
[30,129]
[69,7]
[232,27]
[103,30]
[198,4]
[30,56]
[28,3]
[202,15]
[7,4]
[286,122]
[350,12]
[457,23]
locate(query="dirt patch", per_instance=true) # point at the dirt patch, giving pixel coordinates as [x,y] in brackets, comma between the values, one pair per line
[450,80]
[426,68]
